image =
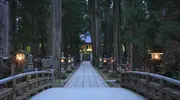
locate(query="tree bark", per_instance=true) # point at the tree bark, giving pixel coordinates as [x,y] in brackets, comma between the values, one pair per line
[98,29]
[13,12]
[108,34]
[92,28]
[115,27]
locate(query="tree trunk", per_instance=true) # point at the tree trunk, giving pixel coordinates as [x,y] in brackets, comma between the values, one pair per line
[13,12]
[98,29]
[115,27]
[107,36]
[135,49]
[92,28]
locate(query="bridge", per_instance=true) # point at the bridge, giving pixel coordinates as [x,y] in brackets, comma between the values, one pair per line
[87,84]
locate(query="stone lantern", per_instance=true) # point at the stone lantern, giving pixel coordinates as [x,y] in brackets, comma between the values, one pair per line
[100,62]
[69,69]
[72,61]
[62,63]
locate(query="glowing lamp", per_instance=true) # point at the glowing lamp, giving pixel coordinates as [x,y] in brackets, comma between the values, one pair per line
[62,60]
[69,61]
[156,56]
[20,57]
[100,59]
[105,60]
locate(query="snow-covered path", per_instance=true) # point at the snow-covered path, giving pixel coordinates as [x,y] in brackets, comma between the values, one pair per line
[87,84]
[86,76]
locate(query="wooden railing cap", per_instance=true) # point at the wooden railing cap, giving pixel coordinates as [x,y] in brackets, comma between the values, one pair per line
[170,80]
[5,80]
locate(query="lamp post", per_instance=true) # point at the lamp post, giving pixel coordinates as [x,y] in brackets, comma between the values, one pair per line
[105,62]
[100,62]
[156,58]
[72,61]
[69,64]
[112,60]
[62,63]
[20,59]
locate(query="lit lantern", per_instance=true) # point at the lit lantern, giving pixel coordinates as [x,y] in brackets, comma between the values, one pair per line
[62,60]
[100,59]
[156,56]
[105,60]
[112,59]
[69,60]
[20,57]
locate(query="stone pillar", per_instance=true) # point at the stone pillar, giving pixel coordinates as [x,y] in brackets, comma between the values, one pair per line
[30,61]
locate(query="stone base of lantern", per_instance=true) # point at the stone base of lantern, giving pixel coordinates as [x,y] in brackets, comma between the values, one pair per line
[69,69]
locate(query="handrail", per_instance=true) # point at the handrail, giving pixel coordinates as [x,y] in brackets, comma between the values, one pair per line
[23,89]
[173,81]
[152,86]
[5,80]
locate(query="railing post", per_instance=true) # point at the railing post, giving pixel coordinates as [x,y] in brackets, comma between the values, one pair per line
[137,84]
[120,76]
[42,81]
[161,89]
[13,82]
[37,84]
[130,79]
[147,86]
[52,76]
[48,80]
[14,90]
[27,89]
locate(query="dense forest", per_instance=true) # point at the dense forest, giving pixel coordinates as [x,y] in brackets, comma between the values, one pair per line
[128,30]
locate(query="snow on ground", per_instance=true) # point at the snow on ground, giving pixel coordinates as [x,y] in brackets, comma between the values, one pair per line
[87,94]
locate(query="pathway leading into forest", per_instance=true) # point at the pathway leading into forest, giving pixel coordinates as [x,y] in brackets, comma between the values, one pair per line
[86,76]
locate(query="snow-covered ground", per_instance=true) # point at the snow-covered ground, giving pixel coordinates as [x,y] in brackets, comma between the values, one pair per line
[87,94]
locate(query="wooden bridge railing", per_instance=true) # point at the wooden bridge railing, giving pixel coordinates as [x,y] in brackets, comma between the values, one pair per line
[22,86]
[151,86]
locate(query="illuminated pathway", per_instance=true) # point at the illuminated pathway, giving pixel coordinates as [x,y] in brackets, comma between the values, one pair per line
[86,76]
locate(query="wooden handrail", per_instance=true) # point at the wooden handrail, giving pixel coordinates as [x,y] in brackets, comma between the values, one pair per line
[152,86]
[170,80]
[5,80]
[27,85]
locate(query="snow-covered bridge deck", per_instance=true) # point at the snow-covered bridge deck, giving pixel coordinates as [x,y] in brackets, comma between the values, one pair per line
[87,84]
[86,76]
